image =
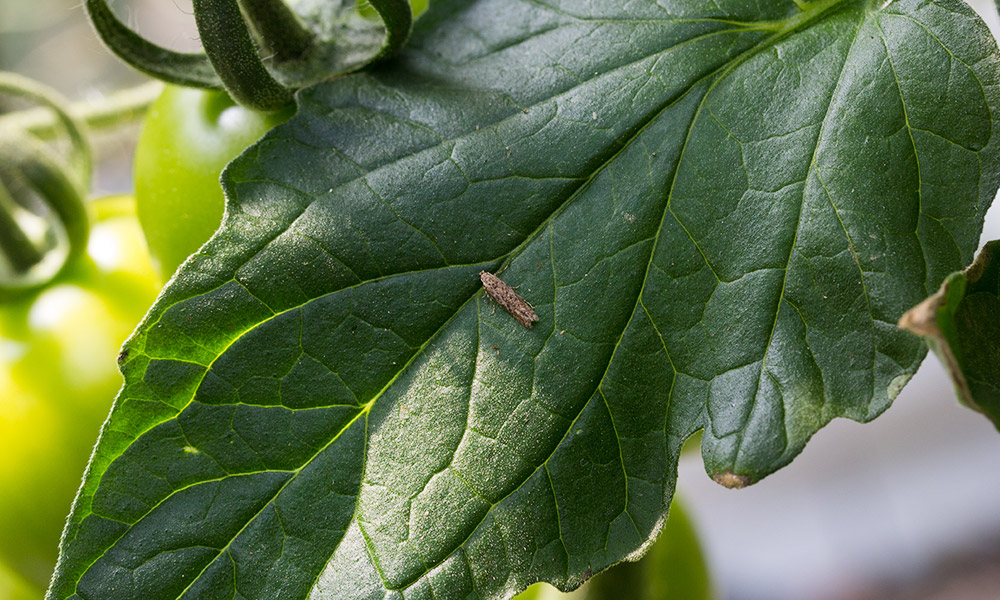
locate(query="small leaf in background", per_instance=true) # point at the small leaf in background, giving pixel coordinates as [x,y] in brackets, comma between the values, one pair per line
[718,210]
[961,324]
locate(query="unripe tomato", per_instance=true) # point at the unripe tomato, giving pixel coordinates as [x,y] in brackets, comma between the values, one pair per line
[58,377]
[188,136]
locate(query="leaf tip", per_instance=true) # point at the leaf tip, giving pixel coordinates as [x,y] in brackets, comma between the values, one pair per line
[922,318]
[731,480]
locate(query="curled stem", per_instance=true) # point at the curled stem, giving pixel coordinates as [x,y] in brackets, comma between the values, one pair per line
[33,173]
[397,15]
[80,160]
[20,251]
[31,163]
[229,47]
[118,108]
[279,28]
[190,69]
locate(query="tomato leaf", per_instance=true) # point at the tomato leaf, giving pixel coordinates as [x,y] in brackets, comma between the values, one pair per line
[717,210]
[961,324]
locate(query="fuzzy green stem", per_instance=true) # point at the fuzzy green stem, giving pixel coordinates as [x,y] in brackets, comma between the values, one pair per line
[397,15]
[118,108]
[227,42]
[37,171]
[279,27]
[190,69]
[12,84]
[14,243]
[60,182]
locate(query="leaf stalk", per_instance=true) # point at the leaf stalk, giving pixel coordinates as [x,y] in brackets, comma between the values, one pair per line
[119,108]
[231,50]
[16,247]
[279,28]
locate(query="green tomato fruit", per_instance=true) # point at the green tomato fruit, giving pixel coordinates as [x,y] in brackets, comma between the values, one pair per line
[188,136]
[13,587]
[58,377]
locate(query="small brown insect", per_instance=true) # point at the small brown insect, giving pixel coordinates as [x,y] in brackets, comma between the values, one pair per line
[507,298]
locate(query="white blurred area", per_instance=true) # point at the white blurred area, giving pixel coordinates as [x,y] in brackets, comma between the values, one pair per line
[905,507]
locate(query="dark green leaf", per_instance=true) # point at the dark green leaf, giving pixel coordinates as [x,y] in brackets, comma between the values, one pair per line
[961,324]
[718,210]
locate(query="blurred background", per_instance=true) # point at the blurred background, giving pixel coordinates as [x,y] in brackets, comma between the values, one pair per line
[906,507]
